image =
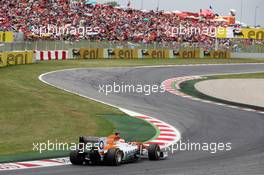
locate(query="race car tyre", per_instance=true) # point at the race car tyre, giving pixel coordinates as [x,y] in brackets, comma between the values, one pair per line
[95,157]
[76,158]
[154,152]
[114,157]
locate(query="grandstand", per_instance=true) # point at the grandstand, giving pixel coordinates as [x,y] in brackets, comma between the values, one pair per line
[62,24]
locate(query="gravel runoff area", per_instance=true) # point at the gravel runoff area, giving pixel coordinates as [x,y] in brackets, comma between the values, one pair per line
[246,91]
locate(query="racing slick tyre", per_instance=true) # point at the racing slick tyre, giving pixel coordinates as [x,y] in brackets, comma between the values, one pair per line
[94,157]
[154,152]
[114,156]
[76,158]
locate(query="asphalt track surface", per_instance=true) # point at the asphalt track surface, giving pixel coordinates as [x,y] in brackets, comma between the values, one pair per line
[197,121]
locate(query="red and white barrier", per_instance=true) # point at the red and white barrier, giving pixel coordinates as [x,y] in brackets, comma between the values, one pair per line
[51,55]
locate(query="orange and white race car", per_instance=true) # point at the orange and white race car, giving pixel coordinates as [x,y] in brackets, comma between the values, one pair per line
[113,150]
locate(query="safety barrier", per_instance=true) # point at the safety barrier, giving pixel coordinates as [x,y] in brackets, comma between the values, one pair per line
[117,53]
[99,53]
[248,55]
[52,55]
[94,53]
[15,58]
[27,57]
[217,54]
[121,53]
[185,53]
[91,53]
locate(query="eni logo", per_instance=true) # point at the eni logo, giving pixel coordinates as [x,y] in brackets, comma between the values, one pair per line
[220,54]
[91,53]
[259,35]
[158,54]
[188,54]
[125,54]
[16,58]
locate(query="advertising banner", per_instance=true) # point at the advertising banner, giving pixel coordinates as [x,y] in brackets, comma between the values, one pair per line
[243,33]
[154,53]
[15,58]
[185,53]
[217,54]
[121,53]
[89,53]
[249,33]
[6,37]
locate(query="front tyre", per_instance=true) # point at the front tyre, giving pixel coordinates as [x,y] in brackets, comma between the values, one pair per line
[76,158]
[154,152]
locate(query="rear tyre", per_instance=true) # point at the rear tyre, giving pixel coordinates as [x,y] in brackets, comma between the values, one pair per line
[154,152]
[76,158]
[114,156]
[95,157]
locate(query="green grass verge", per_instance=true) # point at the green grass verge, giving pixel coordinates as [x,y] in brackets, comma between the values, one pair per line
[130,128]
[249,75]
[31,111]
[188,87]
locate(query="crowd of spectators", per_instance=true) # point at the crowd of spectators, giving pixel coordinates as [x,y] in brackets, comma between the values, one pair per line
[104,22]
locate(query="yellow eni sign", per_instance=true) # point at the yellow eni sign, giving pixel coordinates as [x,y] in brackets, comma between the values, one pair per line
[243,33]
[155,53]
[253,34]
[218,54]
[121,53]
[15,58]
[126,53]
[6,37]
[184,53]
[92,53]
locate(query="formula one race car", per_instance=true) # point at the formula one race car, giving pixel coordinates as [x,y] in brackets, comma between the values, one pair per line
[113,150]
